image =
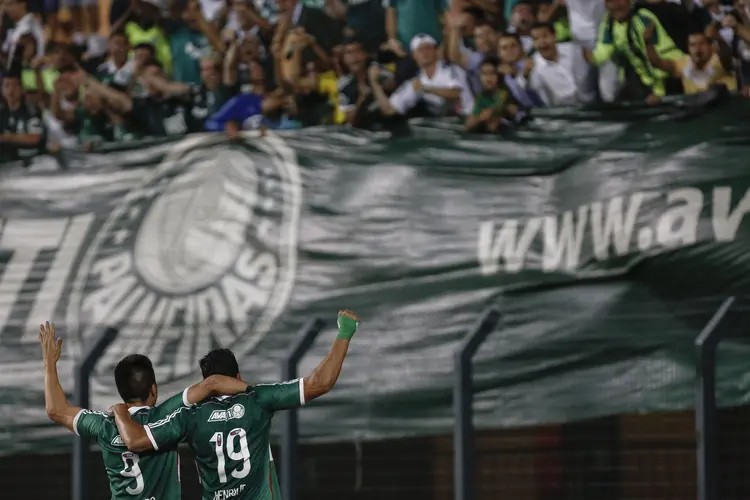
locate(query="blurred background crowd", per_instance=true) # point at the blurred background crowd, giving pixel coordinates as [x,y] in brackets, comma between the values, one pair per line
[79,73]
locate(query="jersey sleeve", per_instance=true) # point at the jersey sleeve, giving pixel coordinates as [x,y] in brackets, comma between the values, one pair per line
[89,423]
[170,430]
[177,401]
[281,396]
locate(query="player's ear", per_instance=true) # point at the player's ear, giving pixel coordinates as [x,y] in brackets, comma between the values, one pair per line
[154,392]
[238,376]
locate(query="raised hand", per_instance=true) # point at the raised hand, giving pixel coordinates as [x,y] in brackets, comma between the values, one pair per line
[347,322]
[51,347]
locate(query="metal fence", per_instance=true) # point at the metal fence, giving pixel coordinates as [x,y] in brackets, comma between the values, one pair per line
[700,452]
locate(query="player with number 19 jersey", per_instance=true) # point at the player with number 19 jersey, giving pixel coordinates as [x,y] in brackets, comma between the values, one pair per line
[131,476]
[229,437]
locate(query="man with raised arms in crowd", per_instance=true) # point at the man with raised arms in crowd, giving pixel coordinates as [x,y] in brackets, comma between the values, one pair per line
[230,436]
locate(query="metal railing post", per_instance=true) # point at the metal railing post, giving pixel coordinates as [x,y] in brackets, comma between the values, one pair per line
[290,428]
[705,403]
[82,399]
[463,439]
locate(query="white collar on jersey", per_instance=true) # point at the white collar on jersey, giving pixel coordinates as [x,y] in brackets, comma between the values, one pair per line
[134,409]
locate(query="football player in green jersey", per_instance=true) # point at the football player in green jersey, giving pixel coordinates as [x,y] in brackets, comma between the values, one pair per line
[132,477]
[230,435]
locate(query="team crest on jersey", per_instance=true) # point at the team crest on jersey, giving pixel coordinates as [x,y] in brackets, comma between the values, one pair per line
[234,412]
[200,256]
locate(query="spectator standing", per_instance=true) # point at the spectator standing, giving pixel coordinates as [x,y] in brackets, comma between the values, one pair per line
[622,34]
[440,89]
[552,76]
[191,39]
[367,19]
[326,32]
[703,67]
[24,23]
[21,129]
[515,70]
[355,94]
[521,21]
[143,25]
[485,45]
[118,67]
[404,20]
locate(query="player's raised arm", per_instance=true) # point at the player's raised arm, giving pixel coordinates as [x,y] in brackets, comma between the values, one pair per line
[296,393]
[59,410]
[325,375]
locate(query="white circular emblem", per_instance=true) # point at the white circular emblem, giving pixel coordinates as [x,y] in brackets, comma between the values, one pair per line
[237,411]
[201,255]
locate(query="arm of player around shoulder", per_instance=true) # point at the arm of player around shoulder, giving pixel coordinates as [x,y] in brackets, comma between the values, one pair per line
[215,385]
[135,436]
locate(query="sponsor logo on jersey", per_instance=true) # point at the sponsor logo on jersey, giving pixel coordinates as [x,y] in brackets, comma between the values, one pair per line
[117,441]
[201,255]
[234,412]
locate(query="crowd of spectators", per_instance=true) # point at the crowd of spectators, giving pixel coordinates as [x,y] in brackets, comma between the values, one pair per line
[167,69]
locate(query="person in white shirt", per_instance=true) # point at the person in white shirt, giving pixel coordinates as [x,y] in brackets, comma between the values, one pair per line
[441,87]
[24,23]
[553,75]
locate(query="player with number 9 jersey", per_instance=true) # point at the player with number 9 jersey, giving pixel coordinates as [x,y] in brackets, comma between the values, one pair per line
[133,476]
[229,437]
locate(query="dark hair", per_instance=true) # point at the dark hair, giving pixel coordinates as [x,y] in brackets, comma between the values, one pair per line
[508,34]
[352,39]
[134,377]
[219,362]
[494,61]
[68,68]
[13,72]
[146,46]
[545,26]
[152,62]
[524,2]
[122,34]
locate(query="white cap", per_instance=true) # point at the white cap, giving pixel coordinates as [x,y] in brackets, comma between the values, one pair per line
[420,40]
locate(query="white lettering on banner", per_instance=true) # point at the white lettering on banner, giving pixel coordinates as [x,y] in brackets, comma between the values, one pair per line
[25,239]
[609,229]
[181,266]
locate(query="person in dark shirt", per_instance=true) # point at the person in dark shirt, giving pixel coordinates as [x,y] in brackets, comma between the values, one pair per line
[21,128]
[355,96]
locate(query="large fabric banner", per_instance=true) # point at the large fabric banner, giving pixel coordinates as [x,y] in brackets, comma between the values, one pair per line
[606,239]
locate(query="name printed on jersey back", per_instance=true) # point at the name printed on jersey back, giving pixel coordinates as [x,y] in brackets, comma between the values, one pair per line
[229,493]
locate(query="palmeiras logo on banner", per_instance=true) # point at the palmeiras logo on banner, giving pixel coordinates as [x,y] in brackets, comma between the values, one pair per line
[201,256]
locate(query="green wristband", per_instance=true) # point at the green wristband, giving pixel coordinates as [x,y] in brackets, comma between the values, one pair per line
[347,327]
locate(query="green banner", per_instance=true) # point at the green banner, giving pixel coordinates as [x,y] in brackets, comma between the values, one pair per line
[606,238]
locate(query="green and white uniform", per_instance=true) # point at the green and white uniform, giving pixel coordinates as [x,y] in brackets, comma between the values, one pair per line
[148,476]
[229,437]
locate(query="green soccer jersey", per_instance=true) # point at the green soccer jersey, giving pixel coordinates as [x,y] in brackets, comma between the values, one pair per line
[148,476]
[229,437]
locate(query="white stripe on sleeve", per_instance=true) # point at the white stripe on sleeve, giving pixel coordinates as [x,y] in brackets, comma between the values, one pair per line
[151,438]
[302,391]
[75,421]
